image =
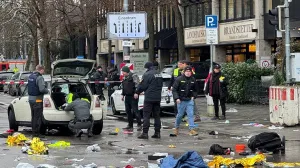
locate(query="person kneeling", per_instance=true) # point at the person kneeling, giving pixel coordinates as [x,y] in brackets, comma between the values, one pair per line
[184,92]
[83,119]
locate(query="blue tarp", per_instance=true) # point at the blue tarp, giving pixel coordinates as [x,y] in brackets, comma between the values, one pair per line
[190,159]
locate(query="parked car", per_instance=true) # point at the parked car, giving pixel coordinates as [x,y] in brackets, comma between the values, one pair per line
[65,74]
[3,77]
[167,102]
[14,85]
[169,69]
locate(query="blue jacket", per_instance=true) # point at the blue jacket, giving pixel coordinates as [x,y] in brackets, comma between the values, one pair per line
[190,159]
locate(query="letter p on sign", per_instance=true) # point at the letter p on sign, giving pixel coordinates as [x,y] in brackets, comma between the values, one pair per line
[211,21]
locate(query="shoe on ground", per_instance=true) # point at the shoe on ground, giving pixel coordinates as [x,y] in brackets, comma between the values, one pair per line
[197,119]
[215,118]
[156,136]
[139,128]
[193,133]
[79,133]
[176,131]
[143,136]
[223,118]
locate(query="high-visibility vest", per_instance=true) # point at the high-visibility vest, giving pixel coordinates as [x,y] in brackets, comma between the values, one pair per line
[176,72]
[69,98]
[16,70]
[85,99]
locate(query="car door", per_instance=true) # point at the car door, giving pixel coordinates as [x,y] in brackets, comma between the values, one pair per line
[21,106]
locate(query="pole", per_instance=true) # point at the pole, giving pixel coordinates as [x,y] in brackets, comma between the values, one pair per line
[287,41]
[211,57]
[126,50]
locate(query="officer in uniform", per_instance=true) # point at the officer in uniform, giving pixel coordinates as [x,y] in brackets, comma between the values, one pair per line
[151,85]
[184,92]
[36,91]
[130,83]
[101,77]
[83,118]
[16,69]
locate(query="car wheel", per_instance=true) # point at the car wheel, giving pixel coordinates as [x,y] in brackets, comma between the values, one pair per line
[113,108]
[11,92]
[12,120]
[97,128]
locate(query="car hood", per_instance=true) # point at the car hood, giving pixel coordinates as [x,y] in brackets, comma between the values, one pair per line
[72,68]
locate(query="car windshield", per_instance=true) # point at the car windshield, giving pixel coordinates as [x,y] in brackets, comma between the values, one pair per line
[5,75]
[167,70]
[73,68]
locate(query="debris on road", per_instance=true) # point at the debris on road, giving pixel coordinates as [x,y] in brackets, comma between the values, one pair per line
[189,159]
[254,125]
[93,148]
[46,166]
[75,160]
[172,146]
[34,146]
[157,156]
[128,161]
[231,110]
[92,165]
[273,127]
[219,161]
[60,144]
[24,165]
[213,133]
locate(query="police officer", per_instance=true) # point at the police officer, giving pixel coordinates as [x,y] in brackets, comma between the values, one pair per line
[101,77]
[130,83]
[83,118]
[151,85]
[69,97]
[184,92]
[16,69]
[36,91]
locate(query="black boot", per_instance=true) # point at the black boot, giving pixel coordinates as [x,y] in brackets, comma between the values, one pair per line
[156,135]
[143,136]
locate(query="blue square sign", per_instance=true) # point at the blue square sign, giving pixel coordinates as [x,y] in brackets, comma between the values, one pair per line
[211,21]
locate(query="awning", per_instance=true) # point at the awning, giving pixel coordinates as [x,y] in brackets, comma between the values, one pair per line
[164,39]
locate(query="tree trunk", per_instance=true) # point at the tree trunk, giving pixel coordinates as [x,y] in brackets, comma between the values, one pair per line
[35,50]
[150,25]
[29,58]
[180,33]
[110,54]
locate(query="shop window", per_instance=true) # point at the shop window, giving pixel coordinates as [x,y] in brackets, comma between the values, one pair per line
[195,13]
[195,55]
[239,10]
[240,52]
[247,8]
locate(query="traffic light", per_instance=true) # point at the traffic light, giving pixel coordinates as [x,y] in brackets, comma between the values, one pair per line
[275,22]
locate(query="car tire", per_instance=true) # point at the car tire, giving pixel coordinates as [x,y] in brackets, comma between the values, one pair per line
[97,128]
[11,92]
[113,108]
[12,120]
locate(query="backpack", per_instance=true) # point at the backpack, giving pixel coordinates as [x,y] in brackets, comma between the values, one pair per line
[267,141]
[217,149]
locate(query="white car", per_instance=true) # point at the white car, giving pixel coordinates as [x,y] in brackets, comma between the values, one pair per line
[65,74]
[166,104]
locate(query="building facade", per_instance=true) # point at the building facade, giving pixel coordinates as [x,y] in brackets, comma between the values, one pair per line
[241,31]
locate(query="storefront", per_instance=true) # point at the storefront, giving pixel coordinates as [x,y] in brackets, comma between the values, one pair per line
[195,43]
[238,40]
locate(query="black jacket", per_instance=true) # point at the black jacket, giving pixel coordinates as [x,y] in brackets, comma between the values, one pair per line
[222,86]
[184,88]
[130,83]
[151,84]
[99,76]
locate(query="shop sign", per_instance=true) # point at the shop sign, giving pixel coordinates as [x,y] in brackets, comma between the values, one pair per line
[237,31]
[139,60]
[104,46]
[194,36]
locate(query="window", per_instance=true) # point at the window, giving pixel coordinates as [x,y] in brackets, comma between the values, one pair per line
[195,13]
[231,10]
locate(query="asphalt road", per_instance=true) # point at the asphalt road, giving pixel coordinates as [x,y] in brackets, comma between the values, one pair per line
[116,150]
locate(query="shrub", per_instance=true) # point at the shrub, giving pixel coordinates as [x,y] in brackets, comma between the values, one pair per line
[237,74]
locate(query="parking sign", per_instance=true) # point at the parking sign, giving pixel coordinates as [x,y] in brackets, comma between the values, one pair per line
[211,26]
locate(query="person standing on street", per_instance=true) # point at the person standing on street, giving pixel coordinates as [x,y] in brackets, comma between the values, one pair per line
[100,76]
[216,87]
[83,118]
[130,83]
[151,85]
[184,92]
[36,91]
